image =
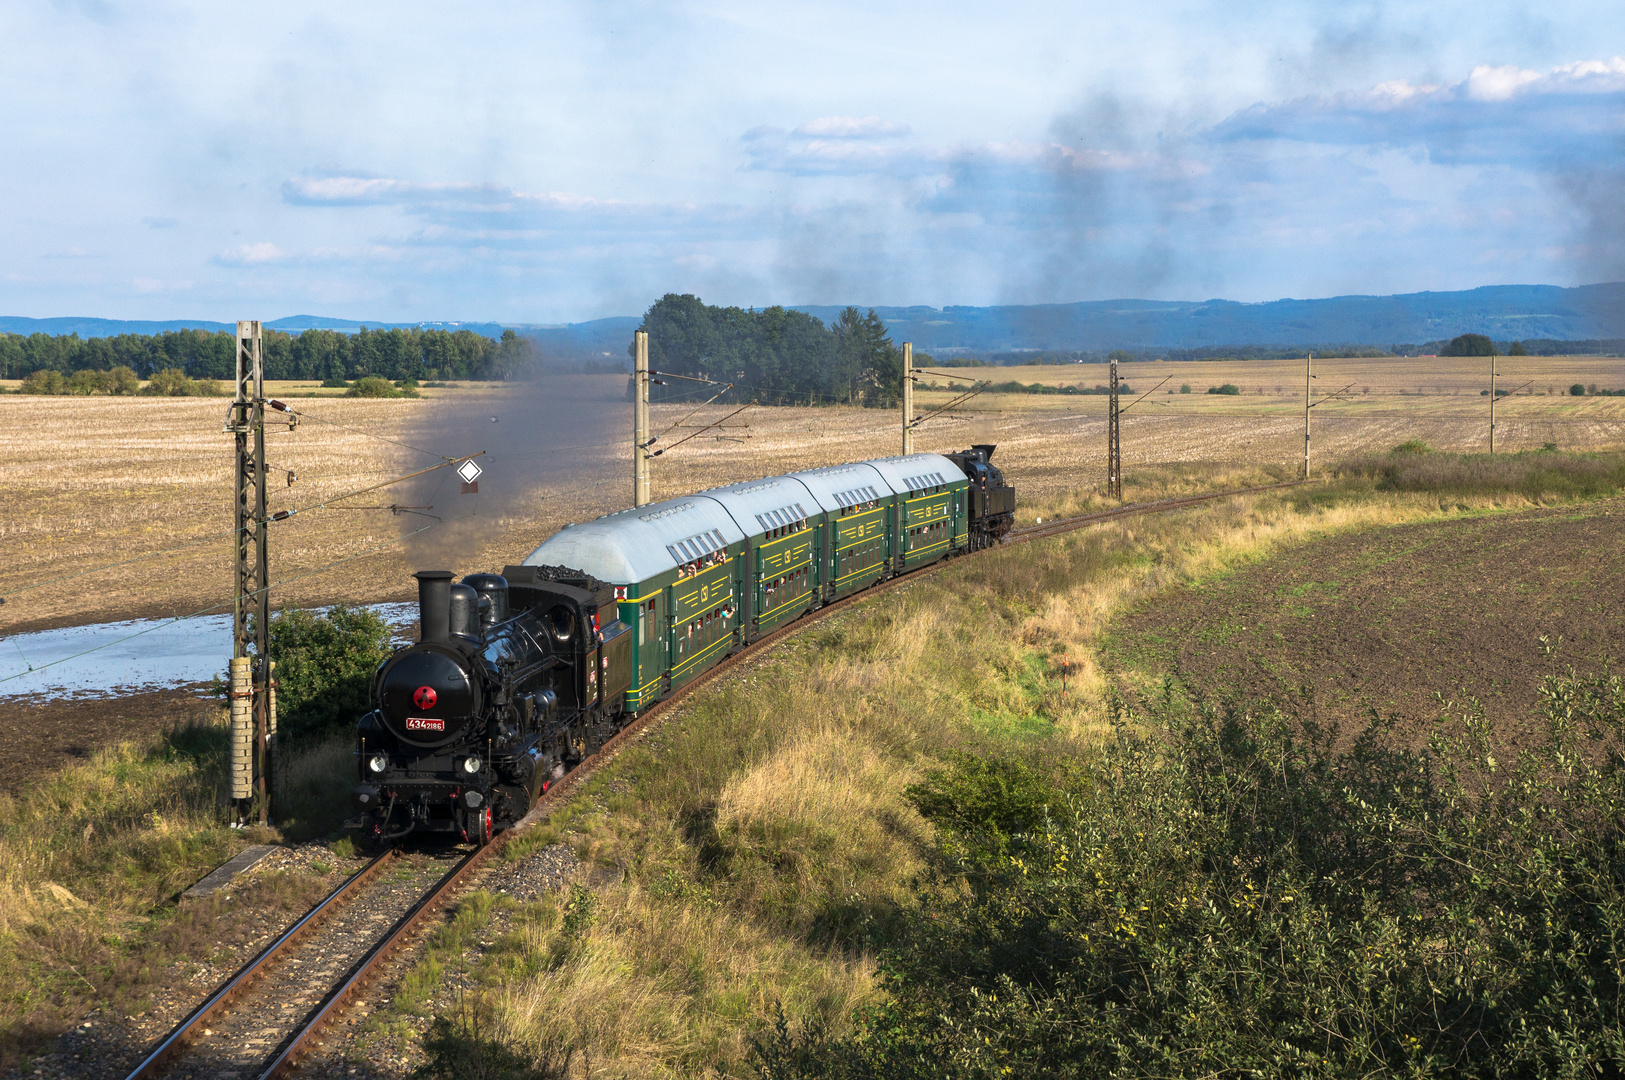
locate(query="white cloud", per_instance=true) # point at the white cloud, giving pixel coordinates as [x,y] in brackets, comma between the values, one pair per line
[851,127]
[1488,83]
[253,254]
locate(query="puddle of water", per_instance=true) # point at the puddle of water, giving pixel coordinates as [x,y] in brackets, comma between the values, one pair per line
[136,655]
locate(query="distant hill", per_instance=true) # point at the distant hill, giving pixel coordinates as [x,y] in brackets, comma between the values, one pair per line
[1503,312]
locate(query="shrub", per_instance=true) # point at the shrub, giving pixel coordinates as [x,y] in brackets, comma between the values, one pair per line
[1469,345]
[44,382]
[376,386]
[1517,349]
[1577,390]
[1184,388]
[1412,446]
[335,383]
[173,382]
[1227,893]
[1227,388]
[987,800]
[324,666]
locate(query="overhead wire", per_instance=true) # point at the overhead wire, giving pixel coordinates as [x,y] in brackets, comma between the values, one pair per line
[281,515]
[281,406]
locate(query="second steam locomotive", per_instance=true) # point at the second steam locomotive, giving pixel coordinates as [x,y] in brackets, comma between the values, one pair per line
[518,676]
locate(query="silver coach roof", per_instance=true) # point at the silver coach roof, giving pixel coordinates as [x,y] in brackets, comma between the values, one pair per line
[837,487]
[637,544]
[768,503]
[916,471]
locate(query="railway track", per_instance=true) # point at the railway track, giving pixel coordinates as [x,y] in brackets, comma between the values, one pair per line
[349,938]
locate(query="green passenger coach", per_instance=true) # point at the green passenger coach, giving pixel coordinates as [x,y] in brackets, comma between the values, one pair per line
[698,577]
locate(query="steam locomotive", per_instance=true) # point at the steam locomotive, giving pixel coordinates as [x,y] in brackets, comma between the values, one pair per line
[519,676]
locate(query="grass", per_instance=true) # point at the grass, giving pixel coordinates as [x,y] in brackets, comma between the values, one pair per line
[92,861]
[759,847]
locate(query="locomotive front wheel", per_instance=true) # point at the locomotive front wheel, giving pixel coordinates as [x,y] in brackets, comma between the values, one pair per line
[479,827]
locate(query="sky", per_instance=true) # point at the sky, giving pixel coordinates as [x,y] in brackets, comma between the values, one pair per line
[557,162]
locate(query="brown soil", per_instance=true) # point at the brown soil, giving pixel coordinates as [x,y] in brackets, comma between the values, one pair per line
[1387,619]
[38,739]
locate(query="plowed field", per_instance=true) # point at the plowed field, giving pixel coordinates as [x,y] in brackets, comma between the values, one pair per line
[1387,619]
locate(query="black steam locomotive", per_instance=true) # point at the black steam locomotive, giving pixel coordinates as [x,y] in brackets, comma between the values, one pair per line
[515,678]
[519,676]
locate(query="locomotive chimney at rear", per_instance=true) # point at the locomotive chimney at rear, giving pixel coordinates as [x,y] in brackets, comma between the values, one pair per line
[434,604]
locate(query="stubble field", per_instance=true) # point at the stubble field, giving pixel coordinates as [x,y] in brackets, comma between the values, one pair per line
[85,482]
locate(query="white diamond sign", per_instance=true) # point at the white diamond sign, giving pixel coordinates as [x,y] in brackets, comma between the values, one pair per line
[469,471]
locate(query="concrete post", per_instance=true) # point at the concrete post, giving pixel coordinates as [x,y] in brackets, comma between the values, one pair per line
[908,397]
[640,420]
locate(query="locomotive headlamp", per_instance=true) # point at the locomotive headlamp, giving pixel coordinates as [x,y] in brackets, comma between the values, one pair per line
[378,763]
[471,765]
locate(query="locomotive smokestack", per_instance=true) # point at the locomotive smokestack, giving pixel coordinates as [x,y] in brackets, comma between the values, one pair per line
[434,604]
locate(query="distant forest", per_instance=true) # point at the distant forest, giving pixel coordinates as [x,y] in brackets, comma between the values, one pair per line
[1531,347]
[401,353]
[776,356]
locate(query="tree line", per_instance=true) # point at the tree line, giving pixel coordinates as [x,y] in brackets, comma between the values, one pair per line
[776,356]
[397,353]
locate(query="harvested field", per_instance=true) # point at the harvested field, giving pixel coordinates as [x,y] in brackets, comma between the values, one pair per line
[1386,619]
[87,481]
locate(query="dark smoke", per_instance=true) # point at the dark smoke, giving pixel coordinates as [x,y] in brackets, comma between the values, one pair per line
[1599,195]
[542,437]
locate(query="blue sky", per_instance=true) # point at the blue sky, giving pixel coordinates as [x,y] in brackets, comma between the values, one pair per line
[556,162]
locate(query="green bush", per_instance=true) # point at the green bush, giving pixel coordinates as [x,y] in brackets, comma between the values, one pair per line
[44,382]
[1469,345]
[173,382]
[324,666]
[1184,388]
[120,380]
[1412,446]
[1227,388]
[1229,893]
[335,383]
[1577,390]
[987,800]
[376,386]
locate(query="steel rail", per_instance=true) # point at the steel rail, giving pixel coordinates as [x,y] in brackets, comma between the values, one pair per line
[186,1031]
[305,1039]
